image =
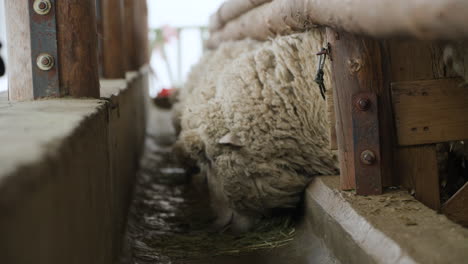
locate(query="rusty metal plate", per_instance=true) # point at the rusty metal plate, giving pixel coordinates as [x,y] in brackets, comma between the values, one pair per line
[366,137]
[44,42]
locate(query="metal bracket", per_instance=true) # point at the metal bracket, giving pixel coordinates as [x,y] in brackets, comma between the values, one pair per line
[366,137]
[44,55]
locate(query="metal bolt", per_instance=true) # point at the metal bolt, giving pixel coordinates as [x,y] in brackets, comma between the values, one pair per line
[363,104]
[368,157]
[42,7]
[45,62]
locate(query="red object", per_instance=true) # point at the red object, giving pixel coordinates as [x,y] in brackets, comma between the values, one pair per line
[165,93]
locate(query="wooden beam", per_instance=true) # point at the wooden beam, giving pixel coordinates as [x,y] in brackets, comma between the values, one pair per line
[141,29]
[77,45]
[129,36]
[136,34]
[20,79]
[416,166]
[357,67]
[331,120]
[456,208]
[430,111]
[417,170]
[113,64]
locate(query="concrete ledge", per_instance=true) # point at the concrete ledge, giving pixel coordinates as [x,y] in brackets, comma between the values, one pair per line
[392,228]
[66,173]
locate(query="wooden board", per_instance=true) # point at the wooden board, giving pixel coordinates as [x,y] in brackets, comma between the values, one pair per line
[331,120]
[417,171]
[19,51]
[113,60]
[357,67]
[416,167]
[456,208]
[430,111]
[78,48]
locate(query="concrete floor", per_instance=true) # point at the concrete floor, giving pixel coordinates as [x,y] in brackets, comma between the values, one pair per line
[164,200]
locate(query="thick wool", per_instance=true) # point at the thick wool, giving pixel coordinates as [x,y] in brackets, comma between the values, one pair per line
[263,134]
[201,82]
[456,58]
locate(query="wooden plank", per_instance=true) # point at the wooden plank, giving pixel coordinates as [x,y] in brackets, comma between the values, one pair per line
[130,56]
[113,64]
[77,45]
[331,120]
[415,167]
[141,29]
[19,51]
[357,67]
[456,208]
[430,111]
[418,171]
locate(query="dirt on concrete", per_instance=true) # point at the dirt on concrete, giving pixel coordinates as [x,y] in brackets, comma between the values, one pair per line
[169,219]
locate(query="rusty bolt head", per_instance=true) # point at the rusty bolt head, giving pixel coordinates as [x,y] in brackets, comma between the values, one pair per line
[42,7]
[368,157]
[363,104]
[45,62]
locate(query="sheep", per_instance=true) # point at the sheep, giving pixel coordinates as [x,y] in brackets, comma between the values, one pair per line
[455,56]
[200,86]
[262,134]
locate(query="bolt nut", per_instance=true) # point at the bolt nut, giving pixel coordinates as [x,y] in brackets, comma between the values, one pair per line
[368,157]
[42,7]
[45,62]
[363,104]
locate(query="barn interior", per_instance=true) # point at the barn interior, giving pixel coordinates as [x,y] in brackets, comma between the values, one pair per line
[308,131]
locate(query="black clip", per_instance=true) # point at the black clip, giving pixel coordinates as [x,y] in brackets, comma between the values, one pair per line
[320,73]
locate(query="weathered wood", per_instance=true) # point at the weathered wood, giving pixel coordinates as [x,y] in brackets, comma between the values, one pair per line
[416,166]
[417,170]
[357,67]
[331,119]
[77,45]
[430,111]
[141,29]
[129,36]
[113,64]
[456,208]
[423,19]
[19,51]
[136,34]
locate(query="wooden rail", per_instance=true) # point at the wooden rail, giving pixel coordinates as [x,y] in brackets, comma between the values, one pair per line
[53,45]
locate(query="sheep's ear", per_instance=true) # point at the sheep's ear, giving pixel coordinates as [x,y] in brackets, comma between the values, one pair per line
[231,139]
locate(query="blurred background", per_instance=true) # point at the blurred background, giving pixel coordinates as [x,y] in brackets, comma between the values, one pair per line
[176,38]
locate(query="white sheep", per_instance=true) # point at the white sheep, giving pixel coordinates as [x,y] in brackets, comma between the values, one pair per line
[263,134]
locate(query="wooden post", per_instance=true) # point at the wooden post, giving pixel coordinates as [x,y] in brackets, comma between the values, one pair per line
[129,36]
[357,67]
[75,45]
[416,166]
[141,30]
[113,53]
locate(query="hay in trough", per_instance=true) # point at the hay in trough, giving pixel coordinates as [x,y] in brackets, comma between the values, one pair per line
[272,233]
[169,219]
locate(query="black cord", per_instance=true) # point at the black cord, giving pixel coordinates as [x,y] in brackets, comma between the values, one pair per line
[320,73]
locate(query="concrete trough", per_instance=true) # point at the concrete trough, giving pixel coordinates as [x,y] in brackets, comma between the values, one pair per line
[67,168]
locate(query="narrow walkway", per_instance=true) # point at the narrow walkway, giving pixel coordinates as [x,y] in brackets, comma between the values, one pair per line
[169,219]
